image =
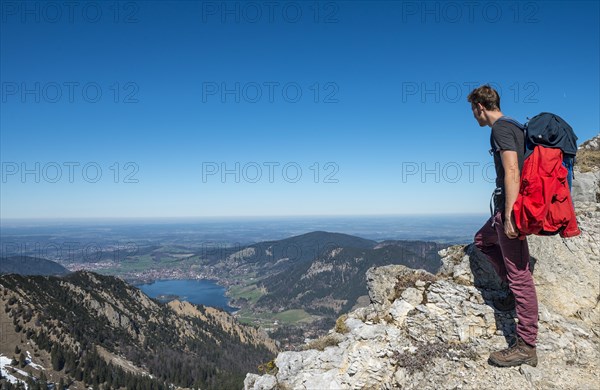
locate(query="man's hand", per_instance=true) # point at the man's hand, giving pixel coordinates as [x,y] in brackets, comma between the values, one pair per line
[510,227]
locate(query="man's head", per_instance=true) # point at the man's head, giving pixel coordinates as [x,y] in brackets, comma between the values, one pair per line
[485,103]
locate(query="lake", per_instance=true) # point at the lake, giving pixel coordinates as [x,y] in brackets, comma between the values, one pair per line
[199,291]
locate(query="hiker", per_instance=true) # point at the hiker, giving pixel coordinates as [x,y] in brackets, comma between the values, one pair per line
[498,238]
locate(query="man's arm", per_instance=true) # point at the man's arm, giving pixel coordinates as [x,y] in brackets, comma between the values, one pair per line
[512,178]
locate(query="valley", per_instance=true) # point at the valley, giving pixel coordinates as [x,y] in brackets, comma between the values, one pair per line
[294,288]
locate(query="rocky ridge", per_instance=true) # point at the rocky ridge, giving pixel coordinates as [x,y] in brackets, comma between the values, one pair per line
[96,325]
[424,331]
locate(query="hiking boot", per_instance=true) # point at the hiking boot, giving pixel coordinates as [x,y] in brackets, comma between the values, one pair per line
[505,304]
[519,353]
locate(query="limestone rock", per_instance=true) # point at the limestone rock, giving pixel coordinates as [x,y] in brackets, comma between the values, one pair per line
[591,144]
[586,188]
[265,382]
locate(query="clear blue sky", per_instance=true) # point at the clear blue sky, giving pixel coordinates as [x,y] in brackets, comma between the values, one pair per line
[312,108]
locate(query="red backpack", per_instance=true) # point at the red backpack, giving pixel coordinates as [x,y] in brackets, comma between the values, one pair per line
[544,205]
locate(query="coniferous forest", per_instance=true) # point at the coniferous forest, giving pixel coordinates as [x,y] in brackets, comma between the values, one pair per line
[76,317]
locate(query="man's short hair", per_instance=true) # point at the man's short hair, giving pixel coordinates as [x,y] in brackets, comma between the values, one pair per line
[487,96]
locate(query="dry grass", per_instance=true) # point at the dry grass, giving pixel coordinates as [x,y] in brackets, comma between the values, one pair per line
[409,280]
[268,368]
[587,160]
[426,352]
[340,325]
[322,343]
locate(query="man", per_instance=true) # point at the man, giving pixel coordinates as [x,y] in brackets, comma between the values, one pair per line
[497,239]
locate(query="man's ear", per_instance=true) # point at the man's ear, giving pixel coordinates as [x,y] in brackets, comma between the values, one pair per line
[480,107]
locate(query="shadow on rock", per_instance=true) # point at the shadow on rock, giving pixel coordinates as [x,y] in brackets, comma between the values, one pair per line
[491,288]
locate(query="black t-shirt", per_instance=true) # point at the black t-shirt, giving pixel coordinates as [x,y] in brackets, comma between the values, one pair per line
[506,136]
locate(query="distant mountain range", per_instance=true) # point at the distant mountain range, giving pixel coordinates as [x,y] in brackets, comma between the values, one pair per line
[27,265]
[333,281]
[320,272]
[280,254]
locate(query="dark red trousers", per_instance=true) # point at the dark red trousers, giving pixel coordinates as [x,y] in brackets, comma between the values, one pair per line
[510,259]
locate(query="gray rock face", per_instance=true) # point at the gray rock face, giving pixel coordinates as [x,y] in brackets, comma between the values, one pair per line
[585,188]
[436,332]
[265,382]
[586,185]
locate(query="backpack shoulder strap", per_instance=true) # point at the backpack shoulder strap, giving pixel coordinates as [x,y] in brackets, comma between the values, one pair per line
[514,122]
[528,145]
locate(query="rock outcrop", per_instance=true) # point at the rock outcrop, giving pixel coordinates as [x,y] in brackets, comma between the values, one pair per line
[586,184]
[424,331]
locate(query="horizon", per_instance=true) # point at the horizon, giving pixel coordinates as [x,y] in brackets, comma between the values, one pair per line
[69,239]
[17,222]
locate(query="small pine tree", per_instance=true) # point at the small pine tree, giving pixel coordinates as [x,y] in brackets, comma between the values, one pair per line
[17,349]
[57,358]
[30,383]
[43,381]
[22,361]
